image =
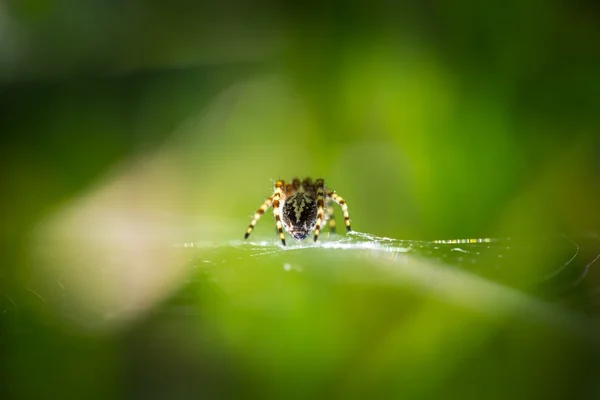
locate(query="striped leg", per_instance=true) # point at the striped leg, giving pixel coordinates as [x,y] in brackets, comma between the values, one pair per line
[342,203]
[320,185]
[331,216]
[276,198]
[259,214]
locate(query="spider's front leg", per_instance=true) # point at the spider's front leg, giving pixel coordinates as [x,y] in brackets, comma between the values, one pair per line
[344,206]
[276,199]
[320,186]
[259,214]
[331,217]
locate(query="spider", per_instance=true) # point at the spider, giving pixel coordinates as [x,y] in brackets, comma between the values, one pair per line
[300,208]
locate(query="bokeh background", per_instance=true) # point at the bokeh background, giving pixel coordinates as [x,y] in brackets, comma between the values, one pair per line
[131,128]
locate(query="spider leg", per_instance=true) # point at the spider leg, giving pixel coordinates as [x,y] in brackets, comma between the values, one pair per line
[288,189]
[320,185]
[342,203]
[259,214]
[331,215]
[307,184]
[276,198]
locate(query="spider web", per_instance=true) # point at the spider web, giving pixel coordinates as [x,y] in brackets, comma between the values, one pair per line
[570,277]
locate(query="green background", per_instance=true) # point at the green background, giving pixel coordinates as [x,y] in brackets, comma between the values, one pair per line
[131,128]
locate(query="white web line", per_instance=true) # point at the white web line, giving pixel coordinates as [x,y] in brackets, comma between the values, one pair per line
[565,264]
[587,267]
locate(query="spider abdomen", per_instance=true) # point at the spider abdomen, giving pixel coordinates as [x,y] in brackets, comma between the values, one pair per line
[299,215]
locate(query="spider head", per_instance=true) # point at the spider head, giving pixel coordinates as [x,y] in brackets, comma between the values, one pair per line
[299,215]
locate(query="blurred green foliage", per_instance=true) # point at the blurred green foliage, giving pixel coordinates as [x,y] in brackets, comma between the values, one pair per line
[434,120]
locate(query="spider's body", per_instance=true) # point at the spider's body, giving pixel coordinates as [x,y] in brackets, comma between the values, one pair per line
[299,214]
[300,208]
